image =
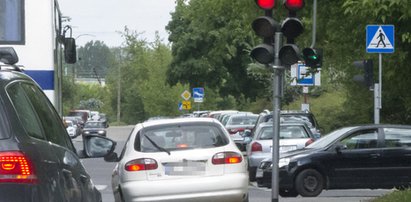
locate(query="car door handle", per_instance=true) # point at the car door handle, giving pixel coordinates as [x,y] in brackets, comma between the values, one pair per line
[375,155]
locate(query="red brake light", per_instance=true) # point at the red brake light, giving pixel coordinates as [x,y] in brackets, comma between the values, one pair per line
[15,167]
[256,147]
[309,142]
[141,164]
[227,158]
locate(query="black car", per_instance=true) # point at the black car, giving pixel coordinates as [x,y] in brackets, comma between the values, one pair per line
[369,156]
[95,128]
[38,161]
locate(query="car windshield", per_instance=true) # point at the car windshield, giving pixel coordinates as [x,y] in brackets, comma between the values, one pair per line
[329,138]
[94,125]
[286,132]
[180,137]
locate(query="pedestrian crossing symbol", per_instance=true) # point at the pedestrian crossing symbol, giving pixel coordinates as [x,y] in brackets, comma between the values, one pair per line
[380,39]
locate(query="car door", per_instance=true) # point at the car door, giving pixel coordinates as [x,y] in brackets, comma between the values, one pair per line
[73,177]
[396,156]
[357,163]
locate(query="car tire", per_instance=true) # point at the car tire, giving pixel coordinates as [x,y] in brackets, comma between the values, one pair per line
[252,172]
[309,183]
[288,193]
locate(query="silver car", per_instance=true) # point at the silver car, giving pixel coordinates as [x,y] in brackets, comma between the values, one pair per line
[183,159]
[293,135]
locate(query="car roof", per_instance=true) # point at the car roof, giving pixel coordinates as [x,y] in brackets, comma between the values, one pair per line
[178,120]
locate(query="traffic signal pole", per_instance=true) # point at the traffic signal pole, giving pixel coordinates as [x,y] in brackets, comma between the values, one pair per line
[378,92]
[277,93]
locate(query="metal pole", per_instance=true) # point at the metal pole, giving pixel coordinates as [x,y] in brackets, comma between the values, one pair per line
[119,88]
[376,103]
[377,121]
[277,90]
[314,24]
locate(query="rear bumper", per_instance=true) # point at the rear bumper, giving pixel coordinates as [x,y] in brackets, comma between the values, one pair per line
[230,187]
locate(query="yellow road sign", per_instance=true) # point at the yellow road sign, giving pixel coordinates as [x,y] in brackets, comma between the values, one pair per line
[186,104]
[186,95]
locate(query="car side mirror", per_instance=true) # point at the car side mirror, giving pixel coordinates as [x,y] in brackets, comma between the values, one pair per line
[70,52]
[97,146]
[339,147]
[112,157]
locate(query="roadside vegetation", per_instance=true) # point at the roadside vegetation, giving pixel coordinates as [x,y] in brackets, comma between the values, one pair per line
[209,47]
[396,196]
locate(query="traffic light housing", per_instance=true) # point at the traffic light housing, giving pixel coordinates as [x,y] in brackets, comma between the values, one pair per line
[291,28]
[312,57]
[265,26]
[367,77]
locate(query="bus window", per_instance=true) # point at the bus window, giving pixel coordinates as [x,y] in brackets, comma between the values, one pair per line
[11,22]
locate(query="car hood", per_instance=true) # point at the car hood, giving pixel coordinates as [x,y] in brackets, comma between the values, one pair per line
[303,151]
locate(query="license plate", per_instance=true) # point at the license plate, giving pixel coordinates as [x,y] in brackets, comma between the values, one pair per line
[185,168]
[259,173]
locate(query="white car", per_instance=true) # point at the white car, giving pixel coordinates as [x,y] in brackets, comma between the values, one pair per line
[183,159]
[71,128]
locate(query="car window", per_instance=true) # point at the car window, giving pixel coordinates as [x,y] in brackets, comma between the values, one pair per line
[242,120]
[94,125]
[286,132]
[53,127]
[178,137]
[397,137]
[28,117]
[362,140]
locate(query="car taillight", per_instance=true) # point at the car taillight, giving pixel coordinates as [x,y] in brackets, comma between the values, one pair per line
[141,164]
[15,167]
[309,142]
[256,147]
[227,158]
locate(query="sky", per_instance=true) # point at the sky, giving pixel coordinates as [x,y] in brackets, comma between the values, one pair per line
[104,19]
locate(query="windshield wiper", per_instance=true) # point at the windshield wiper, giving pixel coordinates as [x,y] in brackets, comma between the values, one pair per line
[158,147]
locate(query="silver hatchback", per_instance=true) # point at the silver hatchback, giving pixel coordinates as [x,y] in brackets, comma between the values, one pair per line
[293,135]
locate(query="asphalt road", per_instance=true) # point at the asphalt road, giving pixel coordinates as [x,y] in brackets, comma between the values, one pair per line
[100,172]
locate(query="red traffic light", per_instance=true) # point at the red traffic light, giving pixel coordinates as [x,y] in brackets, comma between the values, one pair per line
[265,4]
[294,5]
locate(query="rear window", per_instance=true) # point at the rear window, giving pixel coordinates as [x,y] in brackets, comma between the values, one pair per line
[180,137]
[286,132]
[242,120]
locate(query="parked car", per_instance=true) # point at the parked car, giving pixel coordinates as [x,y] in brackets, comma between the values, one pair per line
[237,123]
[357,157]
[38,161]
[95,127]
[71,128]
[293,135]
[182,159]
[291,115]
[83,113]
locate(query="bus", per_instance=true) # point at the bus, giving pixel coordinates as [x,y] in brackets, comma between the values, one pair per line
[34,29]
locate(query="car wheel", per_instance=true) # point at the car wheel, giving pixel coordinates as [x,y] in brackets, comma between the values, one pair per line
[309,183]
[252,171]
[288,193]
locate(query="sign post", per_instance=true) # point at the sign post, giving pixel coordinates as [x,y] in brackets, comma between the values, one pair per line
[379,39]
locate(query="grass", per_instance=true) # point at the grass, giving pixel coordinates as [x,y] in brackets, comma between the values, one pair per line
[395,196]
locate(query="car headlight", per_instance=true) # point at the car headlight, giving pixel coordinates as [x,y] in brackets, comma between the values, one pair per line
[86,132]
[101,132]
[283,162]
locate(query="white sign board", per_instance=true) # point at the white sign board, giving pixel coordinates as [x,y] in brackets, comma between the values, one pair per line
[301,76]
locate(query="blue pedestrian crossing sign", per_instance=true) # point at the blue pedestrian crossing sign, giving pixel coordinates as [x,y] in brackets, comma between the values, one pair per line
[380,39]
